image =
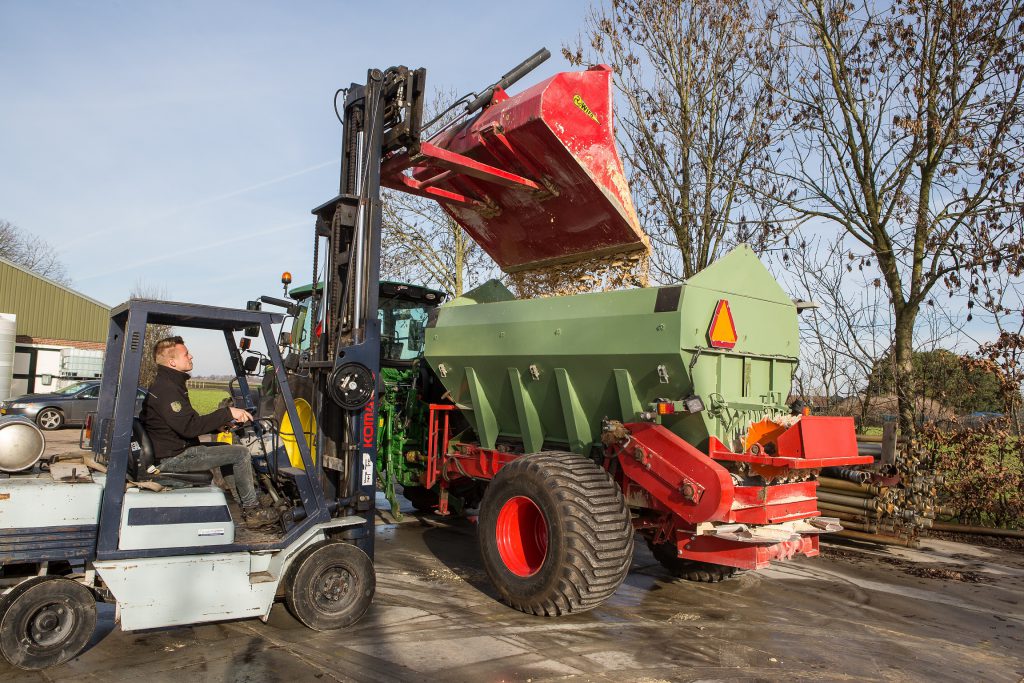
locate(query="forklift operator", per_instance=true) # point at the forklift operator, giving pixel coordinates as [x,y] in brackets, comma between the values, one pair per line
[174,428]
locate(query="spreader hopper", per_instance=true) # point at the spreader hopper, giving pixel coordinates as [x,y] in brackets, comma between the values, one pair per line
[535,178]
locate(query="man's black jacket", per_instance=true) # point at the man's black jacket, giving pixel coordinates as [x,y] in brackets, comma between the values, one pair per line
[169,418]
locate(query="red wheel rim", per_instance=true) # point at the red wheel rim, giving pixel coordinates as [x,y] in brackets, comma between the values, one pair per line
[522,534]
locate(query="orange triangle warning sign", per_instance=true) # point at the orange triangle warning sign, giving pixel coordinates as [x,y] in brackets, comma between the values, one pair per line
[722,332]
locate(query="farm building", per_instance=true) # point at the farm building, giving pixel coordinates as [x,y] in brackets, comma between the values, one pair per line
[50,335]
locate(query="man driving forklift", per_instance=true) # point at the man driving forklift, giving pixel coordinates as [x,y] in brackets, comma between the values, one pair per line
[174,428]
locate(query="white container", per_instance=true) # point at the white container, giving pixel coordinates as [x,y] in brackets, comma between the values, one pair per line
[81,363]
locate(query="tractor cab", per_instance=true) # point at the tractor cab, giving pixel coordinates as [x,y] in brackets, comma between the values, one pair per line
[403,311]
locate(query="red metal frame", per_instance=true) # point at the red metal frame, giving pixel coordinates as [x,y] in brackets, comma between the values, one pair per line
[472,461]
[437,440]
[743,555]
[812,443]
[774,503]
[689,483]
[447,461]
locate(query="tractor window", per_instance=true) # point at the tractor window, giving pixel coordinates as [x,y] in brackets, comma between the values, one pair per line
[402,329]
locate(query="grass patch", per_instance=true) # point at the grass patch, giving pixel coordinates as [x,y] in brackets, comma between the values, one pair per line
[206,400]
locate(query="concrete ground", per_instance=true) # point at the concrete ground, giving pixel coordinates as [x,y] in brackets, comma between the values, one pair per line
[946,612]
[63,440]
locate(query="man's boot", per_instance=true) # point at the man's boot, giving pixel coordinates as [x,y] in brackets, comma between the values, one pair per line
[258,517]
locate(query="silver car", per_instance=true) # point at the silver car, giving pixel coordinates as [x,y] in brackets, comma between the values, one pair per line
[67,406]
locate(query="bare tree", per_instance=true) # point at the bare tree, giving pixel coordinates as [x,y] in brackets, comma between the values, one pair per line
[1003,300]
[698,80]
[907,133]
[32,253]
[849,332]
[154,333]
[421,244]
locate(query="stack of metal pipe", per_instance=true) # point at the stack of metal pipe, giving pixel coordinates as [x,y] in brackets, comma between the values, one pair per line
[888,502]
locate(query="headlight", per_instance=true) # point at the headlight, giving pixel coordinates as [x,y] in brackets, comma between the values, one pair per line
[19,405]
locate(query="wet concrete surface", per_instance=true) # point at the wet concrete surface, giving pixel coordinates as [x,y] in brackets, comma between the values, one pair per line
[856,613]
[947,612]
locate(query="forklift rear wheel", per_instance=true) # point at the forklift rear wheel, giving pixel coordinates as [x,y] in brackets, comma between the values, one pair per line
[50,419]
[555,534]
[690,570]
[45,622]
[331,586]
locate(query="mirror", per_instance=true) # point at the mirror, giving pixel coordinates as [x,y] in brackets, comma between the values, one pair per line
[251,364]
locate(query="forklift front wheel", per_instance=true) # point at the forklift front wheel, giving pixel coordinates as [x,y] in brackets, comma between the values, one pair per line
[331,586]
[46,622]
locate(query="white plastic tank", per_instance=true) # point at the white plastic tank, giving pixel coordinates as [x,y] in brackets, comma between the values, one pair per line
[8,332]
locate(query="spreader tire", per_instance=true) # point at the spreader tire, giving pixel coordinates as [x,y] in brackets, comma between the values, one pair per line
[45,622]
[690,570]
[555,534]
[330,586]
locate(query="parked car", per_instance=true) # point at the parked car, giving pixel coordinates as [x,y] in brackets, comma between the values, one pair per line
[67,406]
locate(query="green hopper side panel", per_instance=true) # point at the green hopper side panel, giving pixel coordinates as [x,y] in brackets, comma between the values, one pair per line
[547,371]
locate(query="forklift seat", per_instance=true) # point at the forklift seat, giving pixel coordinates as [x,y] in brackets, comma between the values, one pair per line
[142,459]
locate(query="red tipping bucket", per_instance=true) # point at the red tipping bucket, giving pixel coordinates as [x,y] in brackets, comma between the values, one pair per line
[535,179]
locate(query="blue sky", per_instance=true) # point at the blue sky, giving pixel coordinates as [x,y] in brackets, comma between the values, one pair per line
[180,146]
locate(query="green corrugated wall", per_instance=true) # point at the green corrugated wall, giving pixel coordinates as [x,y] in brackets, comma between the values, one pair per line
[48,310]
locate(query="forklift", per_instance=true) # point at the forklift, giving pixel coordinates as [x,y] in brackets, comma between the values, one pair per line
[166,547]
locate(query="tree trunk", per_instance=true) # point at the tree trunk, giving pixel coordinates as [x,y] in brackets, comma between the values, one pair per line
[903,370]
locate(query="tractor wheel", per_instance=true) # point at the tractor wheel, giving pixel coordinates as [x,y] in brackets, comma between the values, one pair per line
[555,534]
[50,419]
[330,586]
[690,570]
[422,498]
[45,622]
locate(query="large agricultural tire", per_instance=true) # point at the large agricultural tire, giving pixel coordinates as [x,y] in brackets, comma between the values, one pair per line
[690,570]
[45,622]
[555,534]
[330,585]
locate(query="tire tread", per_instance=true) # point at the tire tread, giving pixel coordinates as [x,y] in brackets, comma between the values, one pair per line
[598,532]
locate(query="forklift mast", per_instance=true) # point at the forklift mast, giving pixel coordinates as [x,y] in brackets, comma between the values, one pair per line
[383,115]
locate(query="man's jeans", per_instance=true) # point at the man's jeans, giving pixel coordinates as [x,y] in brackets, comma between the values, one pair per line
[203,458]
